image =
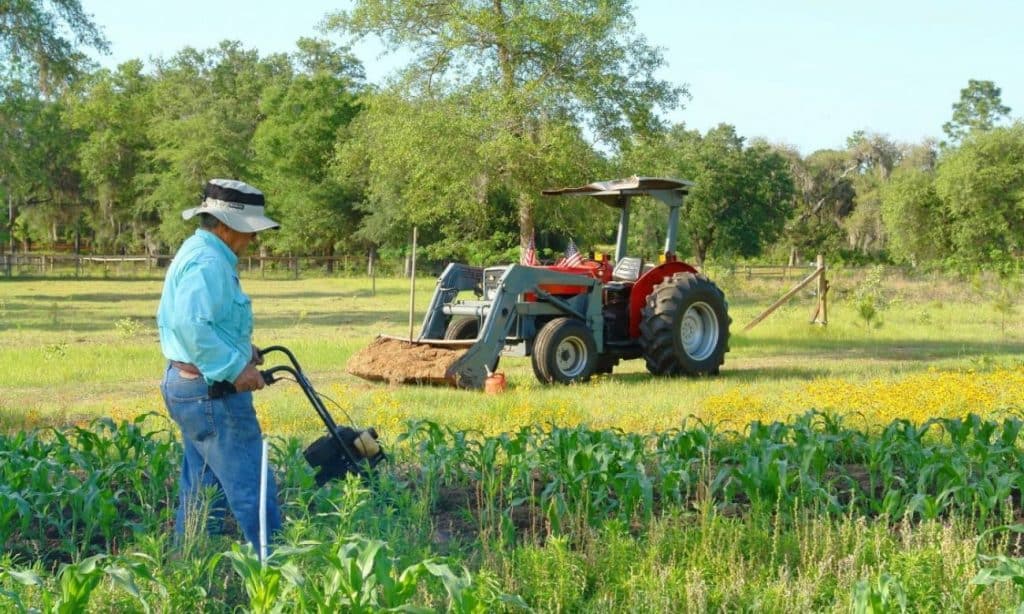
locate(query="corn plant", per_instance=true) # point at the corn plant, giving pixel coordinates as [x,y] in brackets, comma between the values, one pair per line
[267,585]
[881,596]
[999,568]
[76,582]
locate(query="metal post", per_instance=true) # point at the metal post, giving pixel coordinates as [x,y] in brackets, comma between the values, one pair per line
[10,229]
[78,246]
[412,285]
[10,219]
[373,272]
[672,232]
[264,469]
[621,238]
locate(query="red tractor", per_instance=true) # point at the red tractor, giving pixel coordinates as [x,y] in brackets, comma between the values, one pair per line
[573,321]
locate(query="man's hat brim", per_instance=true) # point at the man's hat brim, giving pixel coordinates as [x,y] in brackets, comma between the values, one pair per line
[237,216]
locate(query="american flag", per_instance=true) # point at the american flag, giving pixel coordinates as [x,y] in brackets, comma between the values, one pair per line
[529,256]
[572,256]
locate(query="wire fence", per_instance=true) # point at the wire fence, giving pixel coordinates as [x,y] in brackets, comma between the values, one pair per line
[35,265]
[97,266]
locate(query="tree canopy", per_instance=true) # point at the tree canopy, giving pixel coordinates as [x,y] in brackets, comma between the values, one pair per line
[980,108]
[981,186]
[41,41]
[743,194]
[501,100]
[523,81]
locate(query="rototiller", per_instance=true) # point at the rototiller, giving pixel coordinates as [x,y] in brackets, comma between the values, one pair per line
[343,450]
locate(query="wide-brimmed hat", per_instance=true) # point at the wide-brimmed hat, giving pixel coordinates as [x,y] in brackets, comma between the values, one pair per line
[237,204]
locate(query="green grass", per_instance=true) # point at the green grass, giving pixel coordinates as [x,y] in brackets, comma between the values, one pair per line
[76,349]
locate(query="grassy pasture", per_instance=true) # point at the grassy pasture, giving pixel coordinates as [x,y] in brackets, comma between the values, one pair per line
[671,495]
[72,350]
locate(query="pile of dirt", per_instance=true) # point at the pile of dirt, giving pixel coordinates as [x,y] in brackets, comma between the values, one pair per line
[400,362]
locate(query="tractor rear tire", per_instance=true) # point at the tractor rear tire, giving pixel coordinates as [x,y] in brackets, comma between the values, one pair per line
[564,352]
[464,328]
[685,327]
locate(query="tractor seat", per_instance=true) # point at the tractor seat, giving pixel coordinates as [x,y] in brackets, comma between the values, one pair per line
[628,269]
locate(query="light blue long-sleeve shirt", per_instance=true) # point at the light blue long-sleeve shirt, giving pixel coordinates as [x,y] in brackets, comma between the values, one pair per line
[204,317]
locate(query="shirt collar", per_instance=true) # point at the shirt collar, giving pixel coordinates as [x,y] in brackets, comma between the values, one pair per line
[215,242]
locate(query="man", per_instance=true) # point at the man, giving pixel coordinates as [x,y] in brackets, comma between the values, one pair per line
[205,323]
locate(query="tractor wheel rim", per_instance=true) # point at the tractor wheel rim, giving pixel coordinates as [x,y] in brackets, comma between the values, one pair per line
[571,356]
[698,331]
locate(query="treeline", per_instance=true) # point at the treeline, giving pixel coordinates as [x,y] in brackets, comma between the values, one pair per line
[498,102]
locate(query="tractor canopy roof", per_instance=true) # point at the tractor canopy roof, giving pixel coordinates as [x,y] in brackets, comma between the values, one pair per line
[612,192]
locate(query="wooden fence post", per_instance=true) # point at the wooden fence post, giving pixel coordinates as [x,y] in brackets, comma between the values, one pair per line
[821,311]
[818,273]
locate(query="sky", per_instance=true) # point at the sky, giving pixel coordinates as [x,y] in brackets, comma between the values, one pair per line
[805,73]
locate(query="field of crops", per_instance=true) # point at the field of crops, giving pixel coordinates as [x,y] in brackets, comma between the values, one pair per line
[874,464]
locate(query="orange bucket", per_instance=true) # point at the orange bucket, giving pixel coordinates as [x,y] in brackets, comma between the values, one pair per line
[495,383]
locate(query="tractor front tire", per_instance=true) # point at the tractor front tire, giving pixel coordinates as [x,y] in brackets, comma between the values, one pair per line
[685,327]
[564,352]
[465,328]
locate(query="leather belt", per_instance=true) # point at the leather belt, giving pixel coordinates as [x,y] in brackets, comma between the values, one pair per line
[217,390]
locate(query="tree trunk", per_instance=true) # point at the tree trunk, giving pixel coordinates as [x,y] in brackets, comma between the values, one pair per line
[700,252]
[526,229]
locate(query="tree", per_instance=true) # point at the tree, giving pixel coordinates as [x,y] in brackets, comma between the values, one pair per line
[203,126]
[743,194]
[111,111]
[40,40]
[912,212]
[824,195]
[980,108]
[39,55]
[519,80]
[438,164]
[914,217]
[875,157]
[38,174]
[294,146]
[981,185]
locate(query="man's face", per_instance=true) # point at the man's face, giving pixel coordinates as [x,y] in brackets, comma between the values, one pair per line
[237,241]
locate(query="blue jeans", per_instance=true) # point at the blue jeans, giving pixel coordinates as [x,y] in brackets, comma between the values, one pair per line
[223,445]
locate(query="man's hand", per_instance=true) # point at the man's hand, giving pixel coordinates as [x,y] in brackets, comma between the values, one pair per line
[249,379]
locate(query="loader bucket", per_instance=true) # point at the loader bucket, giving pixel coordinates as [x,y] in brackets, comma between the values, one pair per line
[399,361]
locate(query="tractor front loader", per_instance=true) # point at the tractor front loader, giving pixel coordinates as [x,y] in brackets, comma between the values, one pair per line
[573,321]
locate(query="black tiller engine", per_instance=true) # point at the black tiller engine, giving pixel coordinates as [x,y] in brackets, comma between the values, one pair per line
[343,450]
